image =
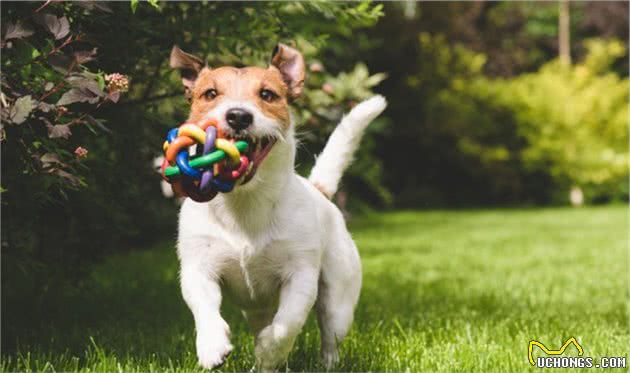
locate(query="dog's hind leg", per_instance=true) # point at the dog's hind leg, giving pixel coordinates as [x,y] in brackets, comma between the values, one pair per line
[339,288]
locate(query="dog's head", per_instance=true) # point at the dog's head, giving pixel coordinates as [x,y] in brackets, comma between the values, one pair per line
[250,103]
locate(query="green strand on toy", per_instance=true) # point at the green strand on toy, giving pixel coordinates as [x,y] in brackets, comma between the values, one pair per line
[205,160]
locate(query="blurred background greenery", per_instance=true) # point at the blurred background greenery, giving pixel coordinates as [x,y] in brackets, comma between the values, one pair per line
[490,104]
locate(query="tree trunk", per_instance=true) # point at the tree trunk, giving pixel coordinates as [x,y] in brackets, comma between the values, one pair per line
[564,32]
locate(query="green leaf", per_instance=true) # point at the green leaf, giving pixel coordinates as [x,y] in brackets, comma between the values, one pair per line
[59,130]
[22,108]
[24,53]
[58,26]
[100,79]
[91,121]
[84,56]
[77,95]
[17,30]
[134,5]
[86,82]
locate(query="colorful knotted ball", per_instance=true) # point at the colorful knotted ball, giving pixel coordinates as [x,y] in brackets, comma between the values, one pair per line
[215,166]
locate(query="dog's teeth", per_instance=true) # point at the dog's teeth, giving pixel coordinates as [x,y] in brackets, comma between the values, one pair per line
[242,179]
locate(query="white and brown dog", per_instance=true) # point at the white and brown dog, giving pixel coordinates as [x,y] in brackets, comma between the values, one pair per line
[275,245]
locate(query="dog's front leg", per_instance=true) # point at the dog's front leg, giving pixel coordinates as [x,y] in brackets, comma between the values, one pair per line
[297,297]
[202,293]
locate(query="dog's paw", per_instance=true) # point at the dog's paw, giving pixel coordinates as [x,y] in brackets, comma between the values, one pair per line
[213,346]
[330,358]
[273,345]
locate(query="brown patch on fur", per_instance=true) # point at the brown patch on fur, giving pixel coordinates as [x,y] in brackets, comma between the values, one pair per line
[319,187]
[242,84]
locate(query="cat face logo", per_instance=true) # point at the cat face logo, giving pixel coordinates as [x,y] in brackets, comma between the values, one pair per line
[559,351]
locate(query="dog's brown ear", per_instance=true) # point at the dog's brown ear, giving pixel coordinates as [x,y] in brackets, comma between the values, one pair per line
[188,65]
[291,65]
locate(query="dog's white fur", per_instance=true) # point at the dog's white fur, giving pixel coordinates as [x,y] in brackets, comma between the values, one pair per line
[276,246]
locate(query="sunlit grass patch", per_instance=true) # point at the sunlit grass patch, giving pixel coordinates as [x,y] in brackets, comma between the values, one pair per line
[443,291]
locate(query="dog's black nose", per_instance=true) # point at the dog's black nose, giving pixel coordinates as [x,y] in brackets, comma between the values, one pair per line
[239,119]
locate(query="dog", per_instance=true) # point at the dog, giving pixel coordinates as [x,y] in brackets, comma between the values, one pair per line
[276,245]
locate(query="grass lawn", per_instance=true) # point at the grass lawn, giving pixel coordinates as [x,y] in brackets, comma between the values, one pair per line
[444,291]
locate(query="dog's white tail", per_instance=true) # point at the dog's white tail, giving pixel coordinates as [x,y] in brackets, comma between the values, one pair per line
[344,141]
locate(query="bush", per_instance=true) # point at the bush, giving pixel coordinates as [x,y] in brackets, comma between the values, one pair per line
[573,120]
[78,181]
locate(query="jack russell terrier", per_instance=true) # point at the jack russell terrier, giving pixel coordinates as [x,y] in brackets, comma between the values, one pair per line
[276,245]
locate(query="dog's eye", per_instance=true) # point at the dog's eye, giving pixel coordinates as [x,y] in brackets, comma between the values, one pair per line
[268,95]
[210,94]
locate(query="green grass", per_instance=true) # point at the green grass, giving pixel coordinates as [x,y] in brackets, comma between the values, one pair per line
[444,291]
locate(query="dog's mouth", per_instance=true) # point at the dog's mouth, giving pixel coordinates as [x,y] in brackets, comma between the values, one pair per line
[257,151]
